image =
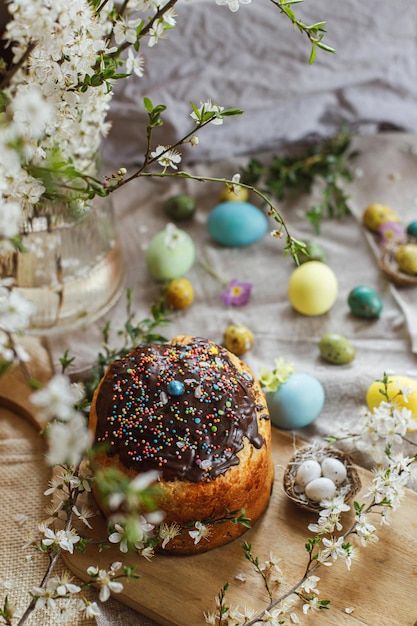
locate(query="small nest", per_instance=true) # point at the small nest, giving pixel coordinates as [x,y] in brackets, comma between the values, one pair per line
[388,265]
[348,489]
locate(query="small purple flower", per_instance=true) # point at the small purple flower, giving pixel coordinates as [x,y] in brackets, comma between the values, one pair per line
[391,233]
[237,293]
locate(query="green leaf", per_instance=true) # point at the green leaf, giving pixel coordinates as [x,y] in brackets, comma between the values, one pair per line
[313,54]
[147,102]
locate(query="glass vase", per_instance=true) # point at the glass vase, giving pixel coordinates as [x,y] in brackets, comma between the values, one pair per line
[71,267]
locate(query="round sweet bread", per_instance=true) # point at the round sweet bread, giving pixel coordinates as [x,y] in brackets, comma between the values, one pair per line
[195,412]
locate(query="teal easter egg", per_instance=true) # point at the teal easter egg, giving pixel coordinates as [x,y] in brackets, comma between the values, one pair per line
[412,229]
[234,223]
[170,254]
[297,402]
[365,302]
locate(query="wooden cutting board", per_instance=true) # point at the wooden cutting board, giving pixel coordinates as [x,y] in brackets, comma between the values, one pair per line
[175,591]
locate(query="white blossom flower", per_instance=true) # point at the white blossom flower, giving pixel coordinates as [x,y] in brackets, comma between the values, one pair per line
[119,536]
[201,531]
[89,609]
[333,548]
[31,111]
[135,533]
[64,539]
[10,218]
[168,532]
[68,441]
[125,30]
[206,110]
[166,157]
[310,584]
[63,585]
[84,514]
[273,617]
[57,399]
[15,311]
[105,581]
[45,598]
[135,63]
[365,530]
[156,33]
[313,604]
[210,618]
[233,4]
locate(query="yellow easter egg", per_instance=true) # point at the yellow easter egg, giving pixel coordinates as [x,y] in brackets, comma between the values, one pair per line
[406,258]
[374,396]
[179,294]
[376,214]
[312,288]
[228,195]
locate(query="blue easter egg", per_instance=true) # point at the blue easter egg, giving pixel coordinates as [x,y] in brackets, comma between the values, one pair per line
[234,223]
[297,402]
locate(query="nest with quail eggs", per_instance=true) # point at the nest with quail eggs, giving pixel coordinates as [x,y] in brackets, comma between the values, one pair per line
[317,473]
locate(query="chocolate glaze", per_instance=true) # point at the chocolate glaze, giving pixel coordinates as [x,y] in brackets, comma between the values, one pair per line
[195,435]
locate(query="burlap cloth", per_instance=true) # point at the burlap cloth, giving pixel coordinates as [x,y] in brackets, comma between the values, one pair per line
[385,173]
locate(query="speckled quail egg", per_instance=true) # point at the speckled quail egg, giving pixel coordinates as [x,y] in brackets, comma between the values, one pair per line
[320,489]
[334,469]
[307,471]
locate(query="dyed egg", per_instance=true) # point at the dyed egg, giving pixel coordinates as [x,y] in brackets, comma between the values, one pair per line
[406,258]
[365,302]
[412,229]
[170,254]
[314,253]
[180,207]
[336,349]
[312,288]
[320,489]
[297,402]
[236,224]
[179,294]
[334,469]
[227,194]
[376,214]
[374,396]
[238,339]
[307,471]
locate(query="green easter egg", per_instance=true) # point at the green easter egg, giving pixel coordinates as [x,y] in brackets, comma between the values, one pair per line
[180,207]
[336,349]
[170,254]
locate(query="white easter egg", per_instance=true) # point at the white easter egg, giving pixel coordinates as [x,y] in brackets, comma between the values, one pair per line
[334,469]
[307,471]
[320,489]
